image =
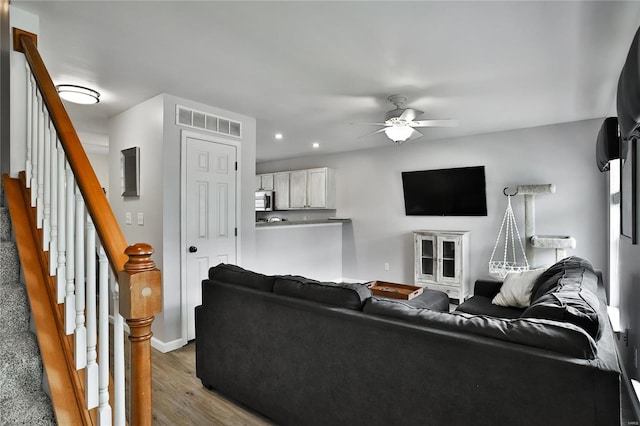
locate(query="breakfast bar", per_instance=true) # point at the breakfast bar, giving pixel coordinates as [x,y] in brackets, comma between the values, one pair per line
[312,248]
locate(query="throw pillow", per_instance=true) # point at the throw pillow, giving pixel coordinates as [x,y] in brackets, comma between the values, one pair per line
[516,289]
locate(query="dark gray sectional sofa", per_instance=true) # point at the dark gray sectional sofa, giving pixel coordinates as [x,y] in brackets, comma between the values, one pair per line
[307,353]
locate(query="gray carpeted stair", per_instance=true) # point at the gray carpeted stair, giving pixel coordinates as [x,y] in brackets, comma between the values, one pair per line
[22,400]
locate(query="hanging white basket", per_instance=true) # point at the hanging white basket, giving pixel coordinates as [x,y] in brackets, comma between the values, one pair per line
[500,268]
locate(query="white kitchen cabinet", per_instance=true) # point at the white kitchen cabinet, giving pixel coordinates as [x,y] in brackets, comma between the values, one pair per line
[281,188]
[264,182]
[441,262]
[312,189]
[298,189]
[317,188]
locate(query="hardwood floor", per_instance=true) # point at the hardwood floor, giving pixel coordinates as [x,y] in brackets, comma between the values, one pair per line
[180,399]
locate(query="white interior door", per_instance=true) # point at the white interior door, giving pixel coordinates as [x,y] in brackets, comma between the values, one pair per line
[210,215]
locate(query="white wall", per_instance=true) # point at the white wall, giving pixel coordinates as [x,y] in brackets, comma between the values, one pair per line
[369,189]
[140,126]
[97,148]
[28,22]
[100,164]
[151,126]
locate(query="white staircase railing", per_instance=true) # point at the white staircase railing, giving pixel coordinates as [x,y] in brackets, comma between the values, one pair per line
[73,233]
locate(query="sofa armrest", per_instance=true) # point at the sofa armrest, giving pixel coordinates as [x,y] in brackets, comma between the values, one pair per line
[487,288]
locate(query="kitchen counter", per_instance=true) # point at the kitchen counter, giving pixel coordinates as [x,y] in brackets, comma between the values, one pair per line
[302,222]
[311,248]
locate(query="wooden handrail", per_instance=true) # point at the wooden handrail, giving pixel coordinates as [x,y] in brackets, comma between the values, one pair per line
[140,281]
[107,227]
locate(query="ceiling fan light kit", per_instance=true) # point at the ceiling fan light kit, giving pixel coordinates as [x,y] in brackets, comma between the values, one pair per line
[398,134]
[399,124]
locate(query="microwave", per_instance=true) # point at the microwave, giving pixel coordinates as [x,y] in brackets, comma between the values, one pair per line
[264,201]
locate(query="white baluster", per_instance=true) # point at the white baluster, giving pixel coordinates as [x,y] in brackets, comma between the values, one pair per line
[34,143]
[80,334]
[40,196]
[46,178]
[53,246]
[91,373]
[29,128]
[119,416]
[62,204]
[70,298]
[104,409]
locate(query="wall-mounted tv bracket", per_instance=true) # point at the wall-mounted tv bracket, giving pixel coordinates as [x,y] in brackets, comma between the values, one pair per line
[558,242]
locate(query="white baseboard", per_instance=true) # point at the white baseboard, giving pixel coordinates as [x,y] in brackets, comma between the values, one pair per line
[165,347]
[158,344]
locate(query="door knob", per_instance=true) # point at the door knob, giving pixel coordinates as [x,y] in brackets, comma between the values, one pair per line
[193,249]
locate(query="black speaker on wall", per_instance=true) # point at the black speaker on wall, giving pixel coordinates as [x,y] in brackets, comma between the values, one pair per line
[608,143]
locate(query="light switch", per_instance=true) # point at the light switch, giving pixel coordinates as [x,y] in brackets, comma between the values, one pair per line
[127,218]
[140,219]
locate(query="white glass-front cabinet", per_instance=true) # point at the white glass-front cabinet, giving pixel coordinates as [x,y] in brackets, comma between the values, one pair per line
[441,262]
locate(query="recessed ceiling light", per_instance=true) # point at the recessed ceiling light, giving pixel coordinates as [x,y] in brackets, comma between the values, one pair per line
[316,145]
[278,136]
[78,94]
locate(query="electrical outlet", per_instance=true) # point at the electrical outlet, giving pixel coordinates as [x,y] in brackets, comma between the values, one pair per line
[386,266]
[127,218]
[140,219]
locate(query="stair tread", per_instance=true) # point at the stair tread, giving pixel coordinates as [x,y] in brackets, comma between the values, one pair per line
[20,365]
[9,262]
[14,309]
[28,409]
[22,400]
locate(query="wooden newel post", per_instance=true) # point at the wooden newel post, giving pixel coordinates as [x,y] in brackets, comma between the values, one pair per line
[140,299]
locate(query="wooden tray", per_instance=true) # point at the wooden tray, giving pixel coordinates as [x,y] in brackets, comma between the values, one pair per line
[395,291]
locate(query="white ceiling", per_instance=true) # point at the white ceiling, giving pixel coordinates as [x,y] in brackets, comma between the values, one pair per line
[309,69]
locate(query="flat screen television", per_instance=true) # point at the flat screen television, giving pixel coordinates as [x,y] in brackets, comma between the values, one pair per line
[445,192]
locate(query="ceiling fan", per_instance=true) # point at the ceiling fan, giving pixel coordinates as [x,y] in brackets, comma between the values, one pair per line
[399,123]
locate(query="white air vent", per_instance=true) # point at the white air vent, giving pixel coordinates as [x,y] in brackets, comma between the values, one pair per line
[200,120]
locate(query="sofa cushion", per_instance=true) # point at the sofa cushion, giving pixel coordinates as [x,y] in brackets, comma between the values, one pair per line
[569,303]
[567,291]
[569,268]
[343,295]
[559,337]
[481,305]
[233,274]
[516,289]
[429,299]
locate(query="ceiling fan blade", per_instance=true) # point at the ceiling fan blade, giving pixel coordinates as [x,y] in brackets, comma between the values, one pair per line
[415,134]
[371,134]
[409,114]
[434,123]
[375,124]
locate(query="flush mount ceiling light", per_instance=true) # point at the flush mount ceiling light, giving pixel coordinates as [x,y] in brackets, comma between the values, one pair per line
[278,136]
[78,94]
